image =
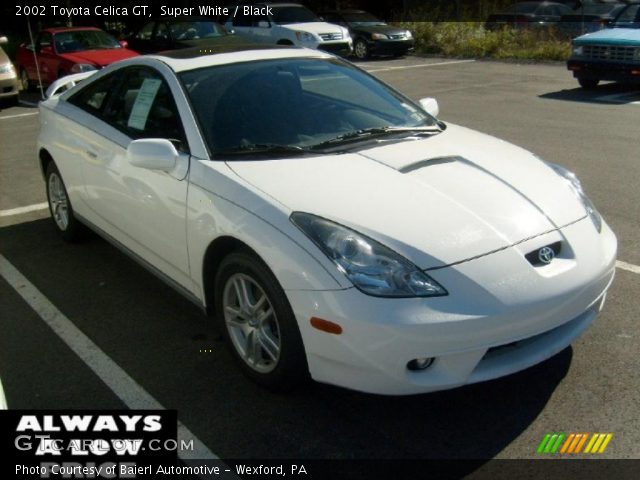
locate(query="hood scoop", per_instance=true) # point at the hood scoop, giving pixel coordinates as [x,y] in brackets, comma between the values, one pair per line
[430,162]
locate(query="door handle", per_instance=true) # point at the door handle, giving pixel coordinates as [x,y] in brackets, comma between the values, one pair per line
[91,154]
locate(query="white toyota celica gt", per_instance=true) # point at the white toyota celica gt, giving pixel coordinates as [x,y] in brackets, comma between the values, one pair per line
[332,226]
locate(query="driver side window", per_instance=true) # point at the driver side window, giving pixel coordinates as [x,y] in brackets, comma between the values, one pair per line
[143,107]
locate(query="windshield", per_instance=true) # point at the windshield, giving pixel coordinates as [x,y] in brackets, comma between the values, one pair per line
[629,17]
[196,30]
[295,103]
[77,40]
[285,15]
[523,8]
[362,19]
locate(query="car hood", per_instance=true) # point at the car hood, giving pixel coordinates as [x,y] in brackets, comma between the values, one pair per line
[612,36]
[438,201]
[386,29]
[314,27]
[100,58]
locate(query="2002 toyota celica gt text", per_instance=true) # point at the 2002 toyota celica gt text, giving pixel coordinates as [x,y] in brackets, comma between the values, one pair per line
[333,227]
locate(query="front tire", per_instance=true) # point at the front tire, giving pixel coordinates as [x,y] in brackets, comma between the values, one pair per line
[60,206]
[361,49]
[25,83]
[258,323]
[588,83]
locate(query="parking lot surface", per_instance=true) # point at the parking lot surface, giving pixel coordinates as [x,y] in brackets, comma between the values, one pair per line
[83,326]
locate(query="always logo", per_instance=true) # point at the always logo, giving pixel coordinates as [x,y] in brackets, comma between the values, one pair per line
[68,435]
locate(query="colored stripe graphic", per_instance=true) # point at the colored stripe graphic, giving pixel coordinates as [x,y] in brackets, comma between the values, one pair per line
[573,443]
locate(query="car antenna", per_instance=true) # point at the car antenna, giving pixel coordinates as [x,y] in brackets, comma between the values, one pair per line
[35,59]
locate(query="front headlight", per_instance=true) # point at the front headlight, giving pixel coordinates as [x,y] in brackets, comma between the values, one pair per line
[409,34]
[372,268]
[577,50]
[7,68]
[576,186]
[82,67]
[305,36]
[379,36]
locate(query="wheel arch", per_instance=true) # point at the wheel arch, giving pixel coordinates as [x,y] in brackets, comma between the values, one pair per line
[217,250]
[45,159]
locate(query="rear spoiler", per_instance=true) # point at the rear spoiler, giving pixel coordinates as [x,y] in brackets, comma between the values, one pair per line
[65,83]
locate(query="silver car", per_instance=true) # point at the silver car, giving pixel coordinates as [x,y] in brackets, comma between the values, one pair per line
[8,77]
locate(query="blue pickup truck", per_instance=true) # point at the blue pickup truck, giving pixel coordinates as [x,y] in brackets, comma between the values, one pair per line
[611,54]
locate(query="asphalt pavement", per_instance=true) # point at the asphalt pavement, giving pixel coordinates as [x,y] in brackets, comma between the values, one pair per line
[172,352]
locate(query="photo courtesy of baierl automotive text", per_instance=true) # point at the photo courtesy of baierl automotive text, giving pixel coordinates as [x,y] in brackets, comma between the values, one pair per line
[320,239]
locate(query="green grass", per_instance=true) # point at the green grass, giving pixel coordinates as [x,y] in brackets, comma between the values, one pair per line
[471,39]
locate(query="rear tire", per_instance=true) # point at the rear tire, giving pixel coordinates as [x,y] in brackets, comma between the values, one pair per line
[588,83]
[60,208]
[257,322]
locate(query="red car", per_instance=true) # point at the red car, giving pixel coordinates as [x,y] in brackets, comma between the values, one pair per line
[61,51]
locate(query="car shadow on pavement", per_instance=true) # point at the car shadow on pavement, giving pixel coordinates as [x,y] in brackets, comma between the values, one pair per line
[157,337]
[607,93]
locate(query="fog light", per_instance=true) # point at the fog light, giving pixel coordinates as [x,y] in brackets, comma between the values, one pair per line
[420,363]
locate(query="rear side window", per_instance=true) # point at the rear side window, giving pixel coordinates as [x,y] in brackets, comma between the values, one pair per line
[94,97]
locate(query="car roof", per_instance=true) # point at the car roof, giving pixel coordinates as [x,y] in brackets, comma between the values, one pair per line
[194,58]
[67,29]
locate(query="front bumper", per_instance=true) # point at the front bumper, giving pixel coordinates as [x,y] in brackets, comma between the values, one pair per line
[8,85]
[390,47]
[598,70]
[338,48]
[499,300]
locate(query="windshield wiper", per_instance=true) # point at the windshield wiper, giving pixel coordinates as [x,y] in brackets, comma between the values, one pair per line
[262,148]
[375,132]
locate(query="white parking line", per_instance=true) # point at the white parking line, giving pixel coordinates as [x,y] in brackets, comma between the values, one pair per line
[629,267]
[19,115]
[21,210]
[422,65]
[125,387]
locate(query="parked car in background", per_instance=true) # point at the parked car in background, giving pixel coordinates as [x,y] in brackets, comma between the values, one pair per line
[288,24]
[530,15]
[589,18]
[611,54]
[174,33]
[370,35]
[60,51]
[8,77]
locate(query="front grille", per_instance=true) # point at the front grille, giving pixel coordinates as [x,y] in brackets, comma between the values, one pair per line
[534,258]
[331,36]
[615,53]
[400,36]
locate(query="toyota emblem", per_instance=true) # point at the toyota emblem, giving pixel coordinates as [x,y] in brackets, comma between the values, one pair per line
[546,254]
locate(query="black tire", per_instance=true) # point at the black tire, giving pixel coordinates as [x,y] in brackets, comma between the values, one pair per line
[361,49]
[71,230]
[290,370]
[588,83]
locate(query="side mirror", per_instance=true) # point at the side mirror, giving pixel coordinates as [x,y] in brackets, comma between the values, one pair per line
[4,40]
[430,105]
[46,49]
[264,24]
[152,154]
[123,43]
